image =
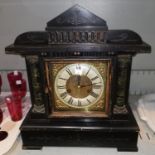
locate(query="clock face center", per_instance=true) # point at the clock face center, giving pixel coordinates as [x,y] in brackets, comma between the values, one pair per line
[79,86]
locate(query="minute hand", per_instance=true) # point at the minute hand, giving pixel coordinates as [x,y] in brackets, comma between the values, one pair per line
[90,84]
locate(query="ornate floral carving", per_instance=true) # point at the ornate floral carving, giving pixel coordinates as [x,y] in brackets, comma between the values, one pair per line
[57,37]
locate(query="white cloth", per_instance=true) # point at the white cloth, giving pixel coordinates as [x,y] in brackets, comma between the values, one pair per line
[146,110]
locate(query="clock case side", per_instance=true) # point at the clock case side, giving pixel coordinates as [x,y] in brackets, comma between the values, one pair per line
[122,83]
[37,83]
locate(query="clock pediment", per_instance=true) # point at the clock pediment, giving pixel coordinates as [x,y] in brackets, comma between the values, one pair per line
[78,32]
[76,16]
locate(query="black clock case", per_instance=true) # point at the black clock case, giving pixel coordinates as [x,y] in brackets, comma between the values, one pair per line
[79,34]
[119,131]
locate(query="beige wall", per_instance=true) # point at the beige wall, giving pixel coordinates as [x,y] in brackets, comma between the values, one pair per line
[18,16]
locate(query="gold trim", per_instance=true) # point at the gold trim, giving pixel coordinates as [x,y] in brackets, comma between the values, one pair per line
[120,109]
[98,109]
[79,114]
[32,59]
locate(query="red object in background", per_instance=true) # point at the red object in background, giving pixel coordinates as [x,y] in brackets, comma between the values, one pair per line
[1,115]
[14,104]
[0,82]
[19,88]
[13,76]
[17,84]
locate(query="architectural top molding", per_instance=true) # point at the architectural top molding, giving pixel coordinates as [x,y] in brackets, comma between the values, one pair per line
[78,29]
[76,16]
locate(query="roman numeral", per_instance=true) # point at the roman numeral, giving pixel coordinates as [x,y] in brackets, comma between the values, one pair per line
[94,94]
[94,78]
[63,95]
[79,103]
[63,79]
[88,71]
[88,101]
[78,66]
[96,86]
[70,101]
[69,72]
[61,87]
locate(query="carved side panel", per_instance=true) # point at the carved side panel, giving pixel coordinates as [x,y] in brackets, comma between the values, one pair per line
[122,86]
[35,84]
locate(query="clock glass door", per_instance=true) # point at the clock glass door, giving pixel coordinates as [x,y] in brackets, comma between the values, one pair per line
[79,88]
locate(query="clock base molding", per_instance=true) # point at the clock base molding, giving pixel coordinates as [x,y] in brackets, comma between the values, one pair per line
[94,132]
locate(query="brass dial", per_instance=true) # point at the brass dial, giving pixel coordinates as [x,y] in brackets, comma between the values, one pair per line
[79,85]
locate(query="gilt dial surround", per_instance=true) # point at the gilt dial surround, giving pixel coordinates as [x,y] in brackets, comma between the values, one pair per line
[79,85]
[79,88]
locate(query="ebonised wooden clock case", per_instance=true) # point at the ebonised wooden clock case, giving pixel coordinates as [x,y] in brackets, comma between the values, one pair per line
[79,35]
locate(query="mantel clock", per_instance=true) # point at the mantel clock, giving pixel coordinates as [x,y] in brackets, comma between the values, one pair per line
[79,75]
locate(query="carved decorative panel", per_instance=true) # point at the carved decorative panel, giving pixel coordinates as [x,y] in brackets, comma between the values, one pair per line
[35,84]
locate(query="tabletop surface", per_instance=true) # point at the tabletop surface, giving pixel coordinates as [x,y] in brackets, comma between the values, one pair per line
[146,143]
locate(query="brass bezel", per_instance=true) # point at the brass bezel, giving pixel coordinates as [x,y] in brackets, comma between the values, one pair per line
[59,109]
